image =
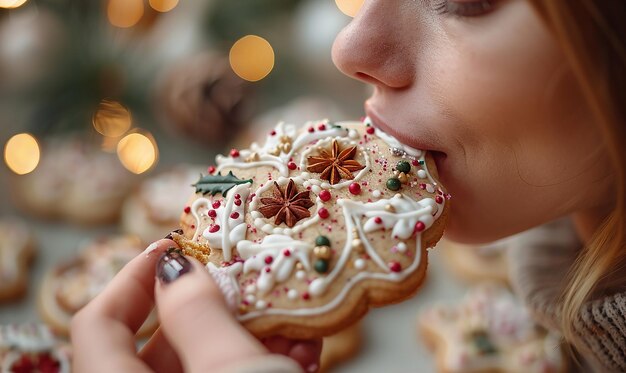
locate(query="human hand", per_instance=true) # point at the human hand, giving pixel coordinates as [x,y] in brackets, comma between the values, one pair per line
[200,336]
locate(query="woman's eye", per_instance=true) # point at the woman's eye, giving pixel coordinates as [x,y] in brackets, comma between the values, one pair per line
[464,8]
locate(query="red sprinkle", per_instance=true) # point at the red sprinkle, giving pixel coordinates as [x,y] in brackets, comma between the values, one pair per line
[187,209]
[321,127]
[216,204]
[268,270]
[237,202]
[292,165]
[311,129]
[234,215]
[214,228]
[439,199]
[306,296]
[212,213]
[325,195]
[269,260]
[234,153]
[211,169]
[422,186]
[395,266]
[273,133]
[378,220]
[287,252]
[415,162]
[237,196]
[370,130]
[323,213]
[420,226]
[355,188]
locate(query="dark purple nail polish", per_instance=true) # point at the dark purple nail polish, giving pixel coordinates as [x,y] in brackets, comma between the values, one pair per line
[171,266]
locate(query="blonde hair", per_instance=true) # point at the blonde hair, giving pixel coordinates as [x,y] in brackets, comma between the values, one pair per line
[593,37]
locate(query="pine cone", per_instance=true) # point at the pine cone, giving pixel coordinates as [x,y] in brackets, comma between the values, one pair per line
[202,98]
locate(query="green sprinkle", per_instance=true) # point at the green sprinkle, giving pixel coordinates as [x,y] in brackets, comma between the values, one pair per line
[321,266]
[322,241]
[393,183]
[403,166]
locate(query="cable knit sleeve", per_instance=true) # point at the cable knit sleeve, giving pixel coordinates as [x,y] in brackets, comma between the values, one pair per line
[539,261]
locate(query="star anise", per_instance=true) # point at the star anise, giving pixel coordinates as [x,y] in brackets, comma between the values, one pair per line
[288,206]
[337,165]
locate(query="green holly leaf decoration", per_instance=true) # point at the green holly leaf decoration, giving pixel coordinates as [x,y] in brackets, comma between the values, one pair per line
[218,183]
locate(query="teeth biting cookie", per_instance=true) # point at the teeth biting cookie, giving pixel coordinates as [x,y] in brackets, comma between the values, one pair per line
[309,230]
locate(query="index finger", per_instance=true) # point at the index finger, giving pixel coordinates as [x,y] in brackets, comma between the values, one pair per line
[106,327]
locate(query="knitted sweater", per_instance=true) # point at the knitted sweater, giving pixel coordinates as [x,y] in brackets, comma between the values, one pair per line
[539,261]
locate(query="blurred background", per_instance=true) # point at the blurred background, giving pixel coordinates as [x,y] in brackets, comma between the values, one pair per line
[108,108]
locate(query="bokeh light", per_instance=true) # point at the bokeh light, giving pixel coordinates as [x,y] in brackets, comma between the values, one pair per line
[138,152]
[125,13]
[21,153]
[111,119]
[252,58]
[163,5]
[349,7]
[11,4]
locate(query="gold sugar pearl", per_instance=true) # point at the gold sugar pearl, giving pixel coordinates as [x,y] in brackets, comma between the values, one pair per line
[286,147]
[254,157]
[275,151]
[322,252]
[285,139]
[357,244]
[390,208]
[299,265]
[403,178]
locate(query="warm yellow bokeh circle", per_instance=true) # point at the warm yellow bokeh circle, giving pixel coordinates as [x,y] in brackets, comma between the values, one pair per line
[138,152]
[111,119]
[125,13]
[251,58]
[163,5]
[349,7]
[21,153]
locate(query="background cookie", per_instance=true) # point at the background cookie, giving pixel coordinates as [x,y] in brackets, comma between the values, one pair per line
[75,181]
[489,331]
[309,230]
[477,263]
[16,253]
[32,348]
[341,347]
[154,209]
[70,286]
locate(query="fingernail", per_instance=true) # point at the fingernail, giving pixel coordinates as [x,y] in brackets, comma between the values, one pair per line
[169,235]
[171,266]
[312,368]
[153,246]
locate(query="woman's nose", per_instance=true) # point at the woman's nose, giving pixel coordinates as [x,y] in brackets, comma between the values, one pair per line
[374,47]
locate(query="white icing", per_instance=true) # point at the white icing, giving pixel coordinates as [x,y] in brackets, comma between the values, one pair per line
[226,279]
[402,222]
[421,174]
[401,247]
[395,144]
[300,275]
[230,230]
[376,193]
[281,266]
[272,141]
[292,294]
[359,263]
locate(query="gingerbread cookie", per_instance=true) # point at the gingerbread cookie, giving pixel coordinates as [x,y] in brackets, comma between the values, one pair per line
[477,263]
[309,230]
[70,286]
[154,208]
[74,181]
[489,331]
[16,253]
[32,348]
[341,347]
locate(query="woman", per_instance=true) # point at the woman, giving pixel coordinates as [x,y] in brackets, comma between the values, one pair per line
[522,103]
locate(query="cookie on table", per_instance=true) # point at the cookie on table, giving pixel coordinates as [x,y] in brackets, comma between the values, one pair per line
[477,263]
[32,348]
[70,286]
[341,347]
[308,231]
[489,330]
[16,253]
[74,181]
[154,209]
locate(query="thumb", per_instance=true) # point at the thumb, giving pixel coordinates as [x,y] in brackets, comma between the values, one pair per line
[195,318]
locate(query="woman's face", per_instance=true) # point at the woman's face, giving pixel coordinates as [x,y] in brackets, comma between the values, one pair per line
[483,85]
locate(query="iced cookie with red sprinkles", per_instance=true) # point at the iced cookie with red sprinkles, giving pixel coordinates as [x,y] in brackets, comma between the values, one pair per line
[26,348]
[307,231]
